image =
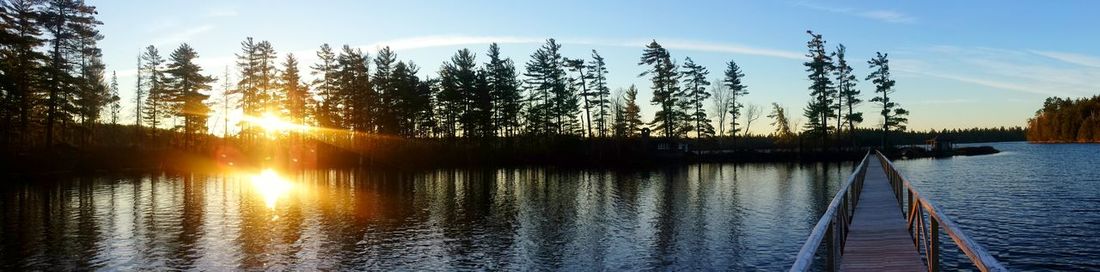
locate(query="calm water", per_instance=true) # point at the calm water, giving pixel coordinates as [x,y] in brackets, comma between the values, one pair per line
[700,217]
[1036,207]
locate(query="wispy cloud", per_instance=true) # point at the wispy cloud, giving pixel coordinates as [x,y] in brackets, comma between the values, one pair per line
[184,35]
[1005,69]
[889,16]
[1074,58]
[458,40]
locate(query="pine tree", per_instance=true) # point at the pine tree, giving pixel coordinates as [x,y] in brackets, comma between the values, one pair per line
[632,113]
[737,92]
[250,102]
[139,96]
[386,115]
[266,79]
[664,78]
[157,97]
[783,133]
[114,100]
[893,116]
[505,91]
[546,83]
[353,86]
[847,93]
[822,91]
[67,22]
[458,82]
[297,94]
[185,79]
[324,73]
[695,93]
[597,73]
[578,66]
[21,64]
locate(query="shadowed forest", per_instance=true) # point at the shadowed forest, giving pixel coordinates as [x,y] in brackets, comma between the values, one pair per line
[61,107]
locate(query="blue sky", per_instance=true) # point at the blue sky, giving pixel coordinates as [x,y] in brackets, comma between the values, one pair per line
[957,63]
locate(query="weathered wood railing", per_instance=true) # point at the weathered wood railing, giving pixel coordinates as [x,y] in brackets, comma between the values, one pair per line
[832,228]
[925,220]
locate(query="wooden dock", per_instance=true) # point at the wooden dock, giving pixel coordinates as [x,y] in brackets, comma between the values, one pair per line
[879,222]
[877,237]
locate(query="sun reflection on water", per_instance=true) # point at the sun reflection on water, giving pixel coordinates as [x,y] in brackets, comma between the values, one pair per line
[271,186]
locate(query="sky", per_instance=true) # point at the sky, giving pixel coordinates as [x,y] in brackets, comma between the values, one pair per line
[958,64]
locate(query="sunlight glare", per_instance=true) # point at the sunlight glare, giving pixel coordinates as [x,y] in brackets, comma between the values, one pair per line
[272,124]
[270,186]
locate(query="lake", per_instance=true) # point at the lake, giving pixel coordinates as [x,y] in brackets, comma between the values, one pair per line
[1033,206]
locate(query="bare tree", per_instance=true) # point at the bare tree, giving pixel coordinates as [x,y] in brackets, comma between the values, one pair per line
[721,97]
[752,112]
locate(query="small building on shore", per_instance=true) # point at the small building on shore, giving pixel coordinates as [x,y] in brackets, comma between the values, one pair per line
[941,145]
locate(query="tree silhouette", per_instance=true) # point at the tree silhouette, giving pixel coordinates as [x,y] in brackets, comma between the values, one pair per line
[847,93]
[737,90]
[185,80]
[157,96]
[547,90]
[665,80]
[822,92]
[506,95]
[695,93]
[597,73]
[893,116]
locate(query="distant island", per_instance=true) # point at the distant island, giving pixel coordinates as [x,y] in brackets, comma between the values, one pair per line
[1066,120]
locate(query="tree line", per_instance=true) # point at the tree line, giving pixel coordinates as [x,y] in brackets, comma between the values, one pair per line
[52,82]
[54,90]
[1066,120]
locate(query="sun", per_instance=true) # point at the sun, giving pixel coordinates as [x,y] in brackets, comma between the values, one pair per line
[272,124]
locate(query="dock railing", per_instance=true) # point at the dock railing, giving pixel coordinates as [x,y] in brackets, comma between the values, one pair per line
[832,228]
[926,220]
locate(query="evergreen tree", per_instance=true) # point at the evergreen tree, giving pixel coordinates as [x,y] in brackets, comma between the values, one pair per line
[822,91]
[157,96]
[893,116]
[21,65]
[737,92]
[92,92]
[459,83]
[847,94]
[664,78]
[632,113]
[597,73]
[578,66]
[139,96]
[407,106]
[353,86]
[250,102]
[695,92]
[546,84]
[384,86]
[324,73]
[505,91]
[265,77]
[68,22]
[297,94]
[185,79]
[783,133]
[114,100]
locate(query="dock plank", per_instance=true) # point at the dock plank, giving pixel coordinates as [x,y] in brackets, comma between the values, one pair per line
[877,238]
